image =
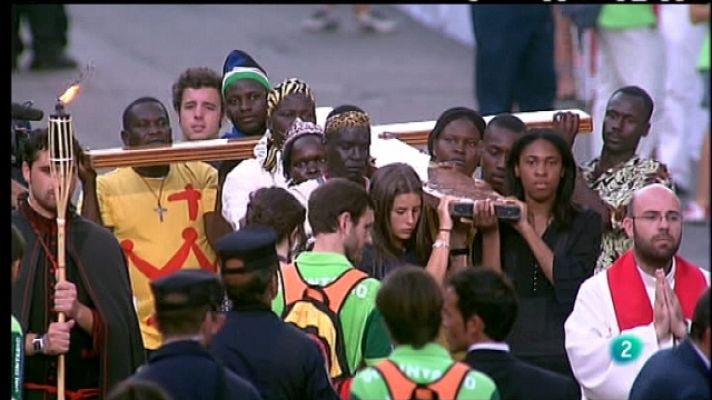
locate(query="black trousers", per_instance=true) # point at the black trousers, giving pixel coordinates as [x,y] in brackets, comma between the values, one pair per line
[48,26]
[514,57]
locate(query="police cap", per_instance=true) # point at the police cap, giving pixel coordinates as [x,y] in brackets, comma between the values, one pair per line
[253,245]
[187,288]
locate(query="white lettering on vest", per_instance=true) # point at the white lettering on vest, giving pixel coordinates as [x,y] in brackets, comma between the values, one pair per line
[320,281]
[470,382]
[361,291]
[417,373]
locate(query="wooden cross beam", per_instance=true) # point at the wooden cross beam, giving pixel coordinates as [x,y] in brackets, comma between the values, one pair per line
[414,134]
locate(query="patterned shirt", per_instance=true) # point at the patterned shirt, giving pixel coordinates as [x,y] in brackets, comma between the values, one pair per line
[615,186]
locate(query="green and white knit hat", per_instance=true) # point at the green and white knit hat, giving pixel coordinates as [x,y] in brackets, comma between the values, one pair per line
[239,65]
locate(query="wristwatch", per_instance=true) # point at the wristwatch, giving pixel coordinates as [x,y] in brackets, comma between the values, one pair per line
[38,344]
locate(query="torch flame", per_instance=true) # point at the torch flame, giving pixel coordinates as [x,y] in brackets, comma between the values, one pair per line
[69,94]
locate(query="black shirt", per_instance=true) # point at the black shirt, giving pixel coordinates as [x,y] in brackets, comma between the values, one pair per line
[369,262]
[538,332]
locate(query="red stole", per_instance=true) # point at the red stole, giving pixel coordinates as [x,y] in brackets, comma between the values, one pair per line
[630,299]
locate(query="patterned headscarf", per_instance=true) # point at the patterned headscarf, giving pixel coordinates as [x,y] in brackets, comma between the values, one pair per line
[284,89]
[348,119]
[299,129]
[274,97]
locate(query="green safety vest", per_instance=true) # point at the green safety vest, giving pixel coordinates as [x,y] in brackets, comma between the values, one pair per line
[358,316]
[429,366]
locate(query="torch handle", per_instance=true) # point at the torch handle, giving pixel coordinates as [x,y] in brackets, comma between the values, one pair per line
[61,145]
[61,277]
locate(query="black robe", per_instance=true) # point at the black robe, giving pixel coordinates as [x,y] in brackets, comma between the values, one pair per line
[101,264]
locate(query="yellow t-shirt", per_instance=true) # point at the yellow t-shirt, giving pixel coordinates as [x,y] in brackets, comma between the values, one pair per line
[155,248]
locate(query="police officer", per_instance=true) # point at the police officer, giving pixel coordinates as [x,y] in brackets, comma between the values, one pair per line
[187,315]
[280,360]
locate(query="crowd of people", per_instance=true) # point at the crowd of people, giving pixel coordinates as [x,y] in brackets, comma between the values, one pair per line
[305,272]
[532,57]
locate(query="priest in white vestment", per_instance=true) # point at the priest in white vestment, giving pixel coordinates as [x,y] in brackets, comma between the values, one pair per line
[643,303]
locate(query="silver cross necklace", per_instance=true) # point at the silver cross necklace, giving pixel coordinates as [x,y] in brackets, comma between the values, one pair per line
[159,209]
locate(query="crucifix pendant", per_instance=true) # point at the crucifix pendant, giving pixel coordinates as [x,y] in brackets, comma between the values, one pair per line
[160,210]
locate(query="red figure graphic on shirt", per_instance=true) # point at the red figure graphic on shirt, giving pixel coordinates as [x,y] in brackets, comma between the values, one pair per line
[190,236]
[192,196]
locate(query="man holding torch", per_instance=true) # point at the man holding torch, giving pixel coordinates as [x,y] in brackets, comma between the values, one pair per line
[97,343]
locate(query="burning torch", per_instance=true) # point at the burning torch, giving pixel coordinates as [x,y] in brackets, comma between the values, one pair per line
[62,166]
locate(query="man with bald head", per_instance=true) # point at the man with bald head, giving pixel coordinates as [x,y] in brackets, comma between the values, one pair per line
[643,303]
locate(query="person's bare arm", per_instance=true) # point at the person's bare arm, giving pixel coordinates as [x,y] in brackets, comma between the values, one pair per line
[699,13]
[543,254]
[216,226]
[439,256]
[563,55]
[87,175]
[485,220]
[588,197]
[567,125]
[459,240]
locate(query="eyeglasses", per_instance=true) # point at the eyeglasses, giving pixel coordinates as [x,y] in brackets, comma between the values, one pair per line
[672,217]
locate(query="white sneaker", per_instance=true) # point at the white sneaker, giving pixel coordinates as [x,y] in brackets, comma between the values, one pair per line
[372,21]
[321,21]
[695,213]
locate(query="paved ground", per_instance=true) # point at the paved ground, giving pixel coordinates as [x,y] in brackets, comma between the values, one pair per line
[139,50]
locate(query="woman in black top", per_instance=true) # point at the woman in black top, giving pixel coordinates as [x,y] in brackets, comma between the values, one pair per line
[397,194]
[550,251]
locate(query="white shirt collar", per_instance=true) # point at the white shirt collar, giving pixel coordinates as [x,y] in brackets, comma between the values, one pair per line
[501,346]
[649,280]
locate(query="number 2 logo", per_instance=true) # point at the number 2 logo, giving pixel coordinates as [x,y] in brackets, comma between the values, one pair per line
[626,348]
[627,345]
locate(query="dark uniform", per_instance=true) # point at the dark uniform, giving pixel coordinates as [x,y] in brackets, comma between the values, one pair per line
[184,368]
[280,360]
